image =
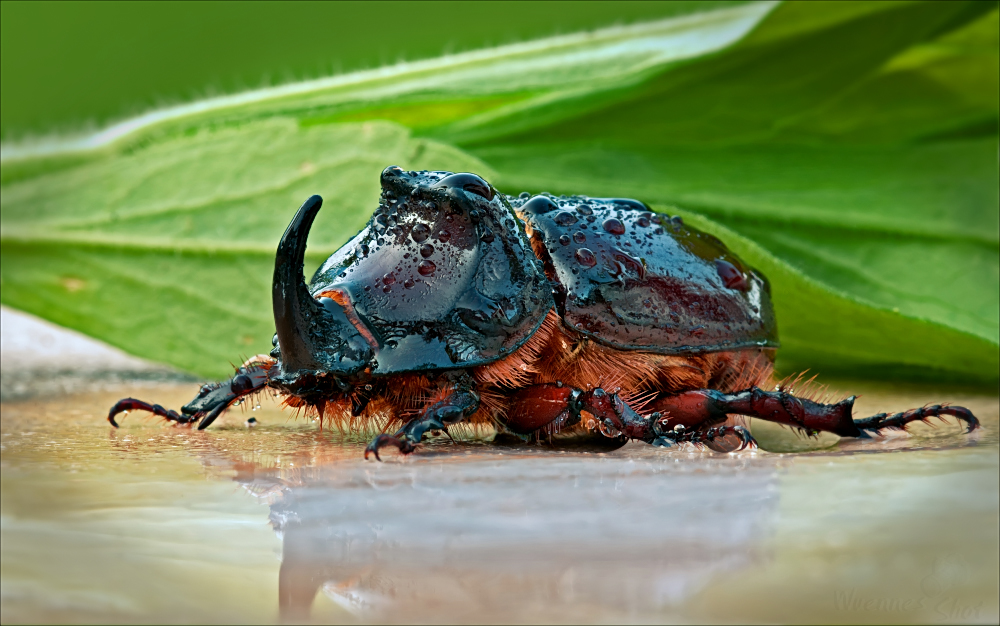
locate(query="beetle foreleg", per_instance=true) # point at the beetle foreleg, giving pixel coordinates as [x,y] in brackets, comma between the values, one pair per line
[131,404]
[211,400]
[462,402]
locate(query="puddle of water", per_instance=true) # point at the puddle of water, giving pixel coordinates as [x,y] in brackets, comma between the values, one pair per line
[152,523]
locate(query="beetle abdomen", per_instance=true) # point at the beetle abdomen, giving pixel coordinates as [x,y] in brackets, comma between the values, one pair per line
[636,280]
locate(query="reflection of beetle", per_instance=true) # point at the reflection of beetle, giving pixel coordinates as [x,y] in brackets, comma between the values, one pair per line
[555,316]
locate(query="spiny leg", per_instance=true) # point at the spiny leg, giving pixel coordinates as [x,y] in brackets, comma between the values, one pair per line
[462,402]
[552,407]
[132,404]
[714,438]
[898,421]
[708,405]
[211,400]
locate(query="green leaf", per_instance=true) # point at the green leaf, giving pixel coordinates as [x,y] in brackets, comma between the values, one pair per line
[848,150]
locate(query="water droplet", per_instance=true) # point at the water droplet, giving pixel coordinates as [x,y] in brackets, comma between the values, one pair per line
[408,283]
[426,268]
[387,289]
[388,279]
[420,232]
[584,209]
[614,226]
[579,236]
[566,219]
[539,205]
[586,257]
[642,221]
[444,236]
[426,250]
[564,240]
[487,235]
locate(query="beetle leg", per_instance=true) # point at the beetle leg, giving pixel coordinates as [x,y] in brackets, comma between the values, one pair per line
[131,404]
[883,421]
[556,406]
[462,402]
[707,405]
[211,400]
[553,406]
[706,437]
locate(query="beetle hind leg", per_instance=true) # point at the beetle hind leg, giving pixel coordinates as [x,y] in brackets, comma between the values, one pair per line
[709,405]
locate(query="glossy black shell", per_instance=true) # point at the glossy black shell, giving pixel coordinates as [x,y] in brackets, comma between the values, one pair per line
[636,280]
[442,276]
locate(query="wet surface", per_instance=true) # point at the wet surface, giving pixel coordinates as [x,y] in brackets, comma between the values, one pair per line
[284,521]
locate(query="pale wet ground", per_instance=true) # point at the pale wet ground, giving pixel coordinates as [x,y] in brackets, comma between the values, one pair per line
[284,521]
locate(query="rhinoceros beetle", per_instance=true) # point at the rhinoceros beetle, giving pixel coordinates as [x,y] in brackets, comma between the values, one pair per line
[565,318]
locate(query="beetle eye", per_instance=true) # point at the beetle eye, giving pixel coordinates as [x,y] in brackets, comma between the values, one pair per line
[468,182]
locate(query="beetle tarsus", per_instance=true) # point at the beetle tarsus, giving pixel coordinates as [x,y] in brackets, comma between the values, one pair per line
[403,444]
[703,437]
[132,404]
[899,421]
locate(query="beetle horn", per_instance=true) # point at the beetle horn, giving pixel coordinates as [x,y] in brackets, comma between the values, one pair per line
[295,310]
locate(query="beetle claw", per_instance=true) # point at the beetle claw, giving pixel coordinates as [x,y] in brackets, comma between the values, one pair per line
[405,446]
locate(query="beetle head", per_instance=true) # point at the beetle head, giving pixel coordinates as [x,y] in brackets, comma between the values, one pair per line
[318,348]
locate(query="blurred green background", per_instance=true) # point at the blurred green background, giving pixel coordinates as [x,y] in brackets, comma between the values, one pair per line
[65,64]
[847,149]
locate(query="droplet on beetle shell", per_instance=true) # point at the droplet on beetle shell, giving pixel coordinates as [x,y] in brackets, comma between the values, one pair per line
[564,240]
[426,268]
[539,205]
[444,236]
[614,226]
[388,279]
[731,277]
[642,221]
[584,209]
[579,236]
[566,219]
[586,257]
[409,283]
[426,250]
[420,232]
